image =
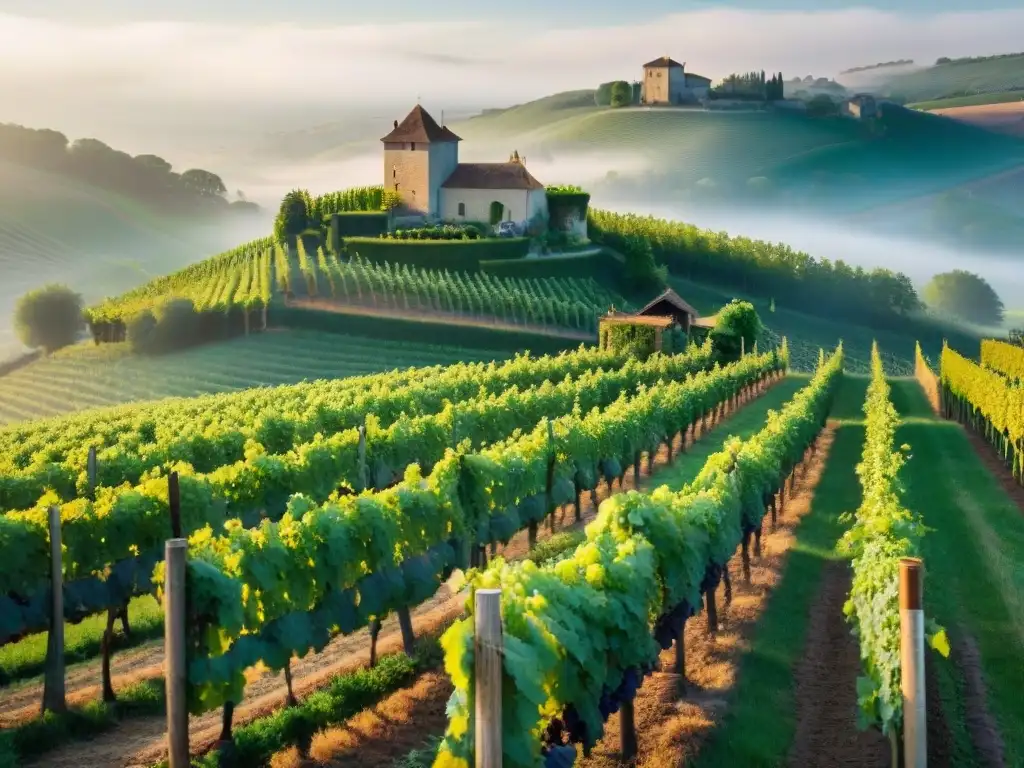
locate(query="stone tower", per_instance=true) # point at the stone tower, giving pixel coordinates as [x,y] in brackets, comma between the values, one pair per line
[419,156]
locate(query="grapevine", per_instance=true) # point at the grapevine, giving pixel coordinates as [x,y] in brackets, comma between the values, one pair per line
[266,593]
[883,532]
[579,633]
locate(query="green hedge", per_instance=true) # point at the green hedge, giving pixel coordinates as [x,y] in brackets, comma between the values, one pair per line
[602,266]
[564,201]
[423,331]
[463,255]
[346,224]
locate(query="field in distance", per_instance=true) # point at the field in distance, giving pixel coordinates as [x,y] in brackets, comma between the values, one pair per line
[87,376]
[1005,117]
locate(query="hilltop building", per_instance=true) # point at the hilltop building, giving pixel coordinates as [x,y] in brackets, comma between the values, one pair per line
[861,107]
[421,163]
[666,81]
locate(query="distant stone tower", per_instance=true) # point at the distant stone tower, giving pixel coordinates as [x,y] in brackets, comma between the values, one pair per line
[419,156]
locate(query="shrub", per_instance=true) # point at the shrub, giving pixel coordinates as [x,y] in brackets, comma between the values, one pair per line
[293,215]
[737,320]
[443,232]
[49,317]
[173,325]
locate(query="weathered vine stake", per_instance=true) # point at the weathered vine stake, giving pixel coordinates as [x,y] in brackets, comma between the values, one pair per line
[53,682]
[489,650]
[176,662]
[912,680]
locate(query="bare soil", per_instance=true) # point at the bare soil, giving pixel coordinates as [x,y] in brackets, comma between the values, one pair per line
[438,316]
[1007,117]
[982,727]
[141,742]
[827,733]
[671,731]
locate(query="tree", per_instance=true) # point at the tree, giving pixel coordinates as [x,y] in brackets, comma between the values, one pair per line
[622,94]
[964,295]
[49,317]
[293,216]
[642,270]
[603,95]
[204,182]
[822,105]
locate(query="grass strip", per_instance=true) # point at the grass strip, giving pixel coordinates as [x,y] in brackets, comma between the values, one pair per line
[52,730]
[760,722]
[974,556]
[26,658]
[744,423]
[422,757]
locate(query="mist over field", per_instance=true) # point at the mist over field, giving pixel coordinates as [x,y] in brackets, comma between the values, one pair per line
[856,245]
[181,87]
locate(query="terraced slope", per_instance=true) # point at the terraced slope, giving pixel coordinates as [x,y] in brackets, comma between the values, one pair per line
[86,376]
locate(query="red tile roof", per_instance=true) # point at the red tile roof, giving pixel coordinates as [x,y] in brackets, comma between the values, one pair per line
[491,176]
[419,126]
[663,61]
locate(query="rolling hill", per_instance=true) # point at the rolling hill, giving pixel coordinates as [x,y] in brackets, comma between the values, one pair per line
[712,154]
[956,78]
[58,229]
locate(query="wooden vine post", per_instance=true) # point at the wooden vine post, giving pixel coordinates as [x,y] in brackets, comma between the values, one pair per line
[90,469]
[912,679]
[489,651]
[53,682]
[174,650]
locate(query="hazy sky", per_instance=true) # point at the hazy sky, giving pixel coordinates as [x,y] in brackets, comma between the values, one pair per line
[348,11]
[124,70]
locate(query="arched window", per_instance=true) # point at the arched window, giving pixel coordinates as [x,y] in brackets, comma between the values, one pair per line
[462,209]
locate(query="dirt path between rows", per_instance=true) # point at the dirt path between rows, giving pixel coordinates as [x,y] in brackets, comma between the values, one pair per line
[671,731]
[826,687]
[140,742]
[378,737]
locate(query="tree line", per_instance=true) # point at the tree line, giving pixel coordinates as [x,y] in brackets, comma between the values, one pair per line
[148,178]
[618,93]
[752,85]
[757,267]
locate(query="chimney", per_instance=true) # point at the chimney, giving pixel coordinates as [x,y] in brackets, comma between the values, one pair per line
[396,124]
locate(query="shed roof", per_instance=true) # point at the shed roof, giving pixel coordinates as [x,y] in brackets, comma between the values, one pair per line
[491,176]
[706,322]
[691,76]
[418,125]
[658,321]
[672,298]
[662,62]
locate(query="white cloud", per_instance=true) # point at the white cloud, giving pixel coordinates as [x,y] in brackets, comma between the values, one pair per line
[79,77]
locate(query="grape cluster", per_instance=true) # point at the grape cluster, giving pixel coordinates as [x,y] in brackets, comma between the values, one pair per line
[712,576]
[570,727]
[669,625]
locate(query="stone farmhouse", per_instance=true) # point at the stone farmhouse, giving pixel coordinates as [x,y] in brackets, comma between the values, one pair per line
[421,163]
[863,106]
[666,81]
